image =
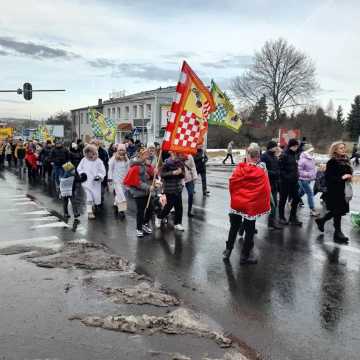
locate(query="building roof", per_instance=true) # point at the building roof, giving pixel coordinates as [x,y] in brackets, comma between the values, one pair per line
[142,95]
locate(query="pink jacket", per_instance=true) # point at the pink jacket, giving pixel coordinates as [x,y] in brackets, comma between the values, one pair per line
[307,167]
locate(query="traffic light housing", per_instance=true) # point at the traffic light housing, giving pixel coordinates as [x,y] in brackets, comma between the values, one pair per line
[27,91]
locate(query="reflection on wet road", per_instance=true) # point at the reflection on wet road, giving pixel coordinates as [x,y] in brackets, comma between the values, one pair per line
[300,302]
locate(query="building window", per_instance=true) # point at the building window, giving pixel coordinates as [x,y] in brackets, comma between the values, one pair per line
[148,110]
[113,113]
[109,113]
[127,111]
[118,113]
[81,119]
[135,111]
[141,111]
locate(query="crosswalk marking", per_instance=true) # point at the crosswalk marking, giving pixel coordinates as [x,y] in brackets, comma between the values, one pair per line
[49,242]
[45,218]
[36,212]
[50,225]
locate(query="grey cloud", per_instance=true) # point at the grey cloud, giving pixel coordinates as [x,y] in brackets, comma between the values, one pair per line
[101,63]
[35,50]
[236,61]
[181,54]
[3,53]
[145,72]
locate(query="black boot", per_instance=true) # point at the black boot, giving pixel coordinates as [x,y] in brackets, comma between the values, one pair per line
[226,254]
[295,221]
[320,224]
[339,237]
[273,225]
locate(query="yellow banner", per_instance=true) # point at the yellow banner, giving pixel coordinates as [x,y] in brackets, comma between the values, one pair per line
[6,133]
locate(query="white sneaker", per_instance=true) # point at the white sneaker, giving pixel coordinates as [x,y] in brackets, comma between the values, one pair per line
[139,233]
[314,213]
[147,229]
[91,216]
[157,223]
[179,227]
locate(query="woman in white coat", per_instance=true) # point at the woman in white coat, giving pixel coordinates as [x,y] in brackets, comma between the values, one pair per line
[118,168]
[92,172]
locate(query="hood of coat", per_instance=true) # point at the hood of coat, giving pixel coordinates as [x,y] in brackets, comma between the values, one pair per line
[307,156]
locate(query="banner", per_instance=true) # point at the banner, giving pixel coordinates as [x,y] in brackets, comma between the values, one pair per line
[6,133]
[285,135]
[189,113]
[42,134]
[225,114]
[102,127]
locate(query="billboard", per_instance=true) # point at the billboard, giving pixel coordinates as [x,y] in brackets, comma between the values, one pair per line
[6,133]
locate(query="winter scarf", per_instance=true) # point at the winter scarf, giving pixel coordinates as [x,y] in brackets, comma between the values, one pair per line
[249,191]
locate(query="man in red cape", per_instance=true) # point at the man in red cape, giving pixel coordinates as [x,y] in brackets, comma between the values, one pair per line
[250,198]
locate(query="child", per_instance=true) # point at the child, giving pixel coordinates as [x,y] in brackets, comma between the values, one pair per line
[67,187]
[118,168]
[320,182]
[92,170]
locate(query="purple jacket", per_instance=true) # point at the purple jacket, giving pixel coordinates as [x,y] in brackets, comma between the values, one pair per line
[307,168]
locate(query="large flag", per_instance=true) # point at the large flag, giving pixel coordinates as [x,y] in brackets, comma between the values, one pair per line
[225,114]
[102,127]
[189,113]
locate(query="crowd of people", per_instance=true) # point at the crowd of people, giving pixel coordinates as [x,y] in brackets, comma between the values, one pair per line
[265,183]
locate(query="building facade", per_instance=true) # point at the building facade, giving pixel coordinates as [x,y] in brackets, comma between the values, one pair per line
[142,115]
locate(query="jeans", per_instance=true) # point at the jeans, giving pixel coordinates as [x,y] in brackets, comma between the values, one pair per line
[173,200]
[58,173]
[190,187]
[305,188]
[289,190]
[142,216]
[249,225]
[66,200]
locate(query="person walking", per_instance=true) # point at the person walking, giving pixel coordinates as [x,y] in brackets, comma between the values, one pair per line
[201,159]
[20,153]
[172,174]
[248,180]
[307,174]
[92,172]
[190,178]
[31,163]
[2,154]
[45,158]
[338,176]
[8,154]
[58,157]
[118,168]
[355,155]
[229,153]
[138,180]
[271,160]
[289,183]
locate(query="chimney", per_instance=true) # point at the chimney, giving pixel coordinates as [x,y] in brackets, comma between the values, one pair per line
[99,102]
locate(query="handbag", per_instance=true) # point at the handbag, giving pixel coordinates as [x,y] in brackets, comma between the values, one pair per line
[348,191]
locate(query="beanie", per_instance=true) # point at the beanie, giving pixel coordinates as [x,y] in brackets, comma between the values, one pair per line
[293,142]
[271,144]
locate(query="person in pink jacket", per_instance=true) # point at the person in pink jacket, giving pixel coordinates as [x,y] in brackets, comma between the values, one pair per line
[307,174]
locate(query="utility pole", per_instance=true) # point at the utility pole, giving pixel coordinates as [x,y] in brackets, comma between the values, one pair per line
[27,91]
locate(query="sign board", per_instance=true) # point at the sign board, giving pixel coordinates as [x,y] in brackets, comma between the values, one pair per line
[286,134]
[6,133]
[164,114]
[56,131]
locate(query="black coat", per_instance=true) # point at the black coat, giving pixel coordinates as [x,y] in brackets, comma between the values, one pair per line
[76,156]
[273,168]
[59,156]
[289,172]
[335,195]
[200,161]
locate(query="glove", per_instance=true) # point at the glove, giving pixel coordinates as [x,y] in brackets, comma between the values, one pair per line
[83,177]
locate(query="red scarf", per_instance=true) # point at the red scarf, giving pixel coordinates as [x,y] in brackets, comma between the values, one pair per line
[249,190]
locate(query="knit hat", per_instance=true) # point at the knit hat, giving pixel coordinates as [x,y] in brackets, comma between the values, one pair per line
[293,142]
[271,144]
[308,148]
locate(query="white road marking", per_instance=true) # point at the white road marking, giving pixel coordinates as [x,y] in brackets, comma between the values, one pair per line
[37,212]
[343,247]
[49,241]
[26,203]
[50,225]
[45,218]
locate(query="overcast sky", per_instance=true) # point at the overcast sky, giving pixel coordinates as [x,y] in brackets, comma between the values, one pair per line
[91,47]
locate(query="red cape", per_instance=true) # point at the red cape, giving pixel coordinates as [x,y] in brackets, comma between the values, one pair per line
[132,178]
[250,190]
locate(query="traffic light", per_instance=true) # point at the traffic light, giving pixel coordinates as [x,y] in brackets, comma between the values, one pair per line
[27,91]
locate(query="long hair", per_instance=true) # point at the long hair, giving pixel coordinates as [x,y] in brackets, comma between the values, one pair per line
[333,149]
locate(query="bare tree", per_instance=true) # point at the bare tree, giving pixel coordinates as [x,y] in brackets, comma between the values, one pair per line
[282,73]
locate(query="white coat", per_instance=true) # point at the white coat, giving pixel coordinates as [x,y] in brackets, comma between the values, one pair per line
[117,172]
[92,169]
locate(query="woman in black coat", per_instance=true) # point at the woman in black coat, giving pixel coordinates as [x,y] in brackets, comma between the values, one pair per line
[338,172]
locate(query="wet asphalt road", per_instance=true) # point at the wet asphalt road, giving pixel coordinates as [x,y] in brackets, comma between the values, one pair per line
[300,302]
